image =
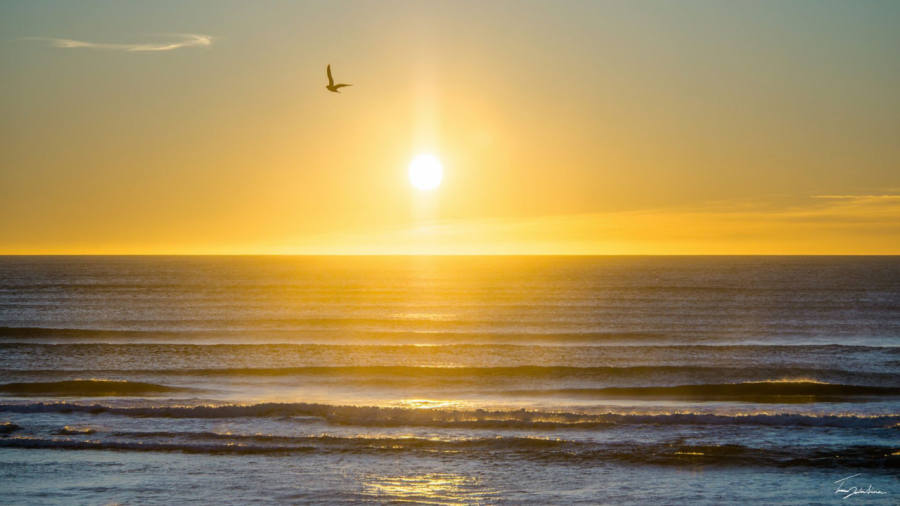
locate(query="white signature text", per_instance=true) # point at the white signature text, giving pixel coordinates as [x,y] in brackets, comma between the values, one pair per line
[852,491]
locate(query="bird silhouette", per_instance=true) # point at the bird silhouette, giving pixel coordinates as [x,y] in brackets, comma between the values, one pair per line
[334,87]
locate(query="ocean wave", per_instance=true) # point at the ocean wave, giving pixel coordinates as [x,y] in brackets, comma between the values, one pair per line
[526,371]
[76,431]
[40,443]
[478,418]
[759,391]
[429,375]
[325,335]
[91,387]
[8,427]
[366,357]
[527,448]
[326,441]
[424,333]
[636,382]
[392,345]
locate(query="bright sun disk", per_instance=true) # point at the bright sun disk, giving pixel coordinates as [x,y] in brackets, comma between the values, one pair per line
[425,172]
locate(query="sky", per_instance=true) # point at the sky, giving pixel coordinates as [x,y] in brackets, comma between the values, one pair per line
[575,127]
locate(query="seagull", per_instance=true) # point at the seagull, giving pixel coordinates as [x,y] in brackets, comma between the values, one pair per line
[331,86]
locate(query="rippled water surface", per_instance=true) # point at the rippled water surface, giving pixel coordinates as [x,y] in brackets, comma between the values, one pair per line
[449,380]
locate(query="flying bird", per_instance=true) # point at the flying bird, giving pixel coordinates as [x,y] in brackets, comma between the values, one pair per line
[331,86]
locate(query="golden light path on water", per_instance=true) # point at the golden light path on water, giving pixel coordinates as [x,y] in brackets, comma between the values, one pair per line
[430,404]
[431,488]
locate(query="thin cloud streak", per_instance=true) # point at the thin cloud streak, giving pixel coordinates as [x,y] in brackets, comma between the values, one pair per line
[189,40]
[858,197]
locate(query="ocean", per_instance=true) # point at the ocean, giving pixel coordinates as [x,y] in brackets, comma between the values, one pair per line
[449,380]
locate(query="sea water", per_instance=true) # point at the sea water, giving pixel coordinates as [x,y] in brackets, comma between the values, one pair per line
[449,380]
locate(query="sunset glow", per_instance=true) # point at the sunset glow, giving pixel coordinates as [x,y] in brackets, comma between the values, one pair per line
[592,128]
[448,252]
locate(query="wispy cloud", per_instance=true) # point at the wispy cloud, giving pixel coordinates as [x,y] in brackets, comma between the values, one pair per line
[858,197]
[187,40]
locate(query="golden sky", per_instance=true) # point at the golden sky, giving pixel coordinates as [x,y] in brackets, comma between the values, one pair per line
[563,127]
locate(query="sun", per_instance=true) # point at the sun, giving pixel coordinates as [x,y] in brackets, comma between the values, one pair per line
[426,172]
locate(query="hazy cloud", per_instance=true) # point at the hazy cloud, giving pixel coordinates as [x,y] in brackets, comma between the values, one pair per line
[188,40]
[831,225]
[858,197]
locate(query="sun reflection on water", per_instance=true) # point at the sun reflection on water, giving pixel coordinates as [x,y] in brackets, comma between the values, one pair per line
[429,404]
[431,488]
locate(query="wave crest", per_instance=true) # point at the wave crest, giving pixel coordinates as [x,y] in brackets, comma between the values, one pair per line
[8,427]
[539,449]
[91,387]
[758,391]
[479,418]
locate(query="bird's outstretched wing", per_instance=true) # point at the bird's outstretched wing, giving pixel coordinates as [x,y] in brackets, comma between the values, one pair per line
[330,80]
[336,86]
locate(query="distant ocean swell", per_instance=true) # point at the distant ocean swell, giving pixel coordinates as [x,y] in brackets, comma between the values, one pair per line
[511,331]
[479,418]
[456,291]
[163,357]
[351,373]
[316,334]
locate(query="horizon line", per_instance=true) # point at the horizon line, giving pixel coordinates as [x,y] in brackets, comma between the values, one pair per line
[446,255]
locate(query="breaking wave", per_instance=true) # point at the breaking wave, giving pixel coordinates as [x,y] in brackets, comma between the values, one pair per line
[8,428]
[539,449]
[75,431]
[479,418]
